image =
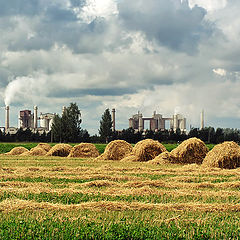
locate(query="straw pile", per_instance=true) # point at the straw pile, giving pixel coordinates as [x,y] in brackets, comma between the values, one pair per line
[84,150]
[145,150]
[61,150]
[192,150]
[163,158]
[17,151]
[224,155]
[116,150]
[44,146]
[36,151]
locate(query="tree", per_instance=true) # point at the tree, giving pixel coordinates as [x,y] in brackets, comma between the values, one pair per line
[105,130]
[67,128]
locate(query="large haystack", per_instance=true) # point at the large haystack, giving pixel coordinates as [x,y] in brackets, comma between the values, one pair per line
[145,150]
[192,150]
[61,150]
[17,151]
[163,158]
[44,146]
[84,150]
[224,155]
[36,151]
[116,150]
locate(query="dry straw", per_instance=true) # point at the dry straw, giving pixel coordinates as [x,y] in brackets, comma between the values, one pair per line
[45,146]
[61,150]
[36,151]
[116,150]
[84,150]
[145,150]
[163,158]
[192,150]
[17,151]
[224,155]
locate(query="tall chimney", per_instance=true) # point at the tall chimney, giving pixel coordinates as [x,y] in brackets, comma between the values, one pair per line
[202,120]
[7,118]
[114,119]
[35,123]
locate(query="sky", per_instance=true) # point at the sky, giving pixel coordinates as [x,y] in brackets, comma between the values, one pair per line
[155,55]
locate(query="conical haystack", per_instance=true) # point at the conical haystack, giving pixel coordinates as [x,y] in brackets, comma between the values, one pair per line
[17,151]
[224,155]
[61,150]
[36,151]
[145,150]
[84,150]
[116,150]
[192,150]
[45,146]
[163,158]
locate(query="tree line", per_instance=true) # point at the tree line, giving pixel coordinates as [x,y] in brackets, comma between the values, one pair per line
[67,128]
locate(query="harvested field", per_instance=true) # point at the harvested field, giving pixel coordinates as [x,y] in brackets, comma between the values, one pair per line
[145,150]
[225,155]
[116,150]
[44,146]
[74,198]
[84,150]
[17,151]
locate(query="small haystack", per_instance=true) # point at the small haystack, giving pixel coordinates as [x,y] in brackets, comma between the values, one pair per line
[44,146]
[192,150]
[116,150]
[61,150]
[145,150]
[17,151]
[224,155]
[36,151]
[163,158]
[84,150]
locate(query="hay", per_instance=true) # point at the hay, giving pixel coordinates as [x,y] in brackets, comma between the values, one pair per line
[61,150]
[44,146]
[192,150]
[224,155]
[17,151]
[84,150]
[145,150]
[163,158]
[36,151]
[116,150]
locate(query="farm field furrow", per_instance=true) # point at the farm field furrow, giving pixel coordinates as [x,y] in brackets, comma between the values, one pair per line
[116,200]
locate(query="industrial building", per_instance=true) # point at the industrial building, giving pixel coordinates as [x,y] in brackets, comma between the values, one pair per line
[157,122]
[30,120]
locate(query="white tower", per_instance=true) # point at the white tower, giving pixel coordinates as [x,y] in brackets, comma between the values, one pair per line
[7,118]
[35,124]
[202,120]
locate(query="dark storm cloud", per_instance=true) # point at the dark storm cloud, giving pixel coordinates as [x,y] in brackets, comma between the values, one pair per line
[171,23]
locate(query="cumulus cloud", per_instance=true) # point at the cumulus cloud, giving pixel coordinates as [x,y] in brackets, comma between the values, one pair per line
[131,55]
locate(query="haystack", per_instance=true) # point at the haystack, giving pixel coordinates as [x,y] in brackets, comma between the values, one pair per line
[36,151]
[61,150]
[17,151]
[145,150]
[224,155]
[84,150]
[163,158]
[116,150]
[44,146]
[192,150]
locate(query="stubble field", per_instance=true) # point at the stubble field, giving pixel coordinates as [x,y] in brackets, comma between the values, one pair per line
[61,198]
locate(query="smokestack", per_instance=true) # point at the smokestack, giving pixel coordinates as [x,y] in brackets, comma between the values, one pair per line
[63,109]
[7,118]
[114,119]
[35,117]
[202,120]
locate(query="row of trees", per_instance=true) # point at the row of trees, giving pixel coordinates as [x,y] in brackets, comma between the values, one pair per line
[67,128]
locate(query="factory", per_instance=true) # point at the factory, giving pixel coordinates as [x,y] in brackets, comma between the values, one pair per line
[27,119]
[157,122]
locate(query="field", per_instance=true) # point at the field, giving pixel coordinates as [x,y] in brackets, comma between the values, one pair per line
[60,198]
